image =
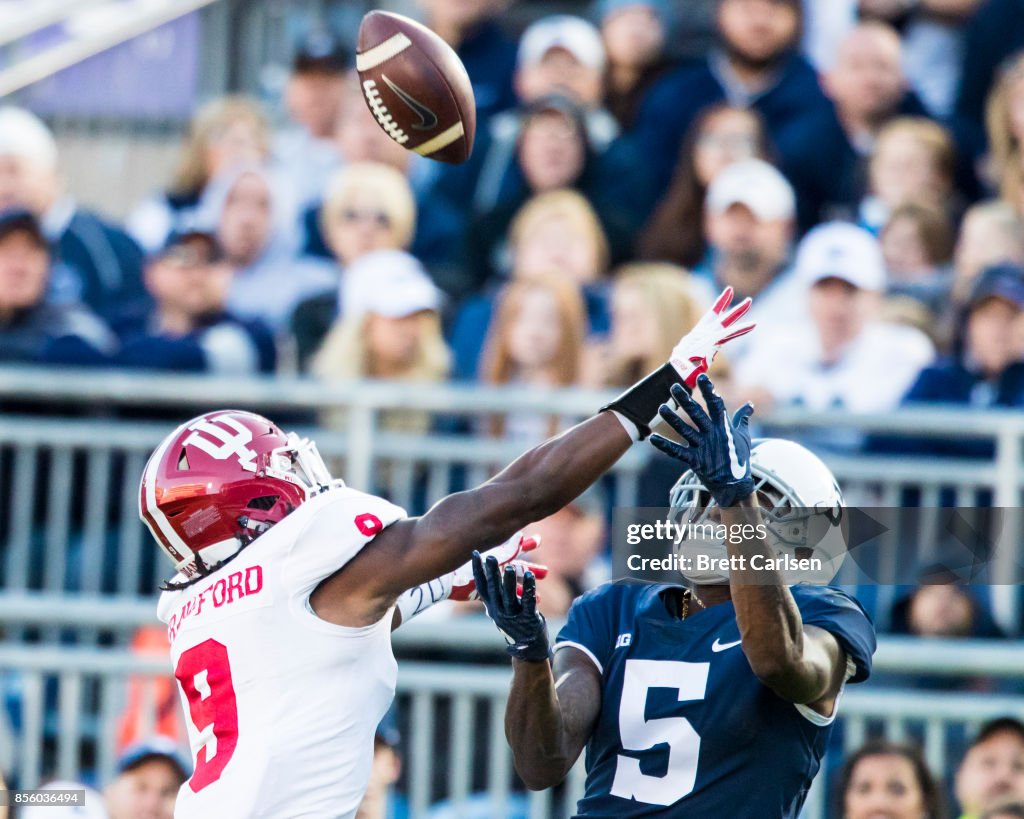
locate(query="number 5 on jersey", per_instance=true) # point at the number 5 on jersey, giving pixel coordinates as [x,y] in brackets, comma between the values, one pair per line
[204,675]
[690,680]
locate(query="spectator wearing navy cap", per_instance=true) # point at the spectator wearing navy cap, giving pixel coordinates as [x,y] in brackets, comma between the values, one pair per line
[842,357]
[149,775]
[190,328]
[986,370]
[314,98]
[471,27]
[33,329]
[105,263]
[634,34]
[756,65]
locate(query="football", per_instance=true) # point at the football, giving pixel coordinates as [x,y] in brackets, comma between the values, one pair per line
[416,87]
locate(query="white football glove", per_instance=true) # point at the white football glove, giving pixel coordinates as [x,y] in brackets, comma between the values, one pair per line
[463,583]
[697,349]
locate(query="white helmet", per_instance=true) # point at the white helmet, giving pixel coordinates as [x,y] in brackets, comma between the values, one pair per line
[801,506]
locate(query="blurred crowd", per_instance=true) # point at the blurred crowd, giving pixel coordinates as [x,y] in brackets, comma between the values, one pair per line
[856,167]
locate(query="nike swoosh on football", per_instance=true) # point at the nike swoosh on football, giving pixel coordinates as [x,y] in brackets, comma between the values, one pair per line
[428,119]
[739,471]
[717,646]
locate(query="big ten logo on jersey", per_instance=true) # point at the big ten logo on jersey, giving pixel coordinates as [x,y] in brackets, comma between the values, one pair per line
[232,594]
[222,437]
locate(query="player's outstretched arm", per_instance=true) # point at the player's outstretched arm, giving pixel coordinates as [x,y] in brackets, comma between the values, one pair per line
[549,716]
[802,664]
[535,485]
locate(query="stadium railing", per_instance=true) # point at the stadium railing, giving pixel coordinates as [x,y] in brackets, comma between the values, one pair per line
[62,704]
[69,476]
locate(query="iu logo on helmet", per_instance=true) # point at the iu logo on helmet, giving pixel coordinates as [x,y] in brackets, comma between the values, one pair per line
[221,438]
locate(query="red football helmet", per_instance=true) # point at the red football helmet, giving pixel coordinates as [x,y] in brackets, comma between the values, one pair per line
[222,479]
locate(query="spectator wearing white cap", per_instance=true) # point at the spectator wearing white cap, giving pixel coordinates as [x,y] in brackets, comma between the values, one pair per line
[749,222]
[841,358]
[104,262]
[391,329]
[562,55]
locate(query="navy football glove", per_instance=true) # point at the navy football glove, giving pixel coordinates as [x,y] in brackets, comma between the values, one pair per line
[719,448]
[517,618]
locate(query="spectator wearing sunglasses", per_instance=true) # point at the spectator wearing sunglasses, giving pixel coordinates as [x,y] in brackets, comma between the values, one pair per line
[368,206]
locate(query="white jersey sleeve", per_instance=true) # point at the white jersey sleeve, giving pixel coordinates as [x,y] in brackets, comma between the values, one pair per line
[342,523]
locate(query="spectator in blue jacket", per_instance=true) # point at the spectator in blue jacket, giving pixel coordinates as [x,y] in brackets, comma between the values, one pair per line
[756,66]
[104,263]
[31,327]
[987,370]
[827,157]
[190,328]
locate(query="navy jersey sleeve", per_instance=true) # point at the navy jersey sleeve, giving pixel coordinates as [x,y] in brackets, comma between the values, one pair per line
[591,624]
[842,616]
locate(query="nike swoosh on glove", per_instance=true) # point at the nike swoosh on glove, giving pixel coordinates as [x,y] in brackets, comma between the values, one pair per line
[508,553]
[523,627]
[695,351]
[718,450]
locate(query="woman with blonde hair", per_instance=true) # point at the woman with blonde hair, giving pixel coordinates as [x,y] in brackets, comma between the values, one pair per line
[391,329]
[227,131]
[535,340]
[559,230]
[914,160]
[1004,120]
[652,305]
[369,206]
[554,234]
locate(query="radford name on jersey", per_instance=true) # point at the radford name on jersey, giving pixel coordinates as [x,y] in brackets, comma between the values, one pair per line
[281,706]
[685,727]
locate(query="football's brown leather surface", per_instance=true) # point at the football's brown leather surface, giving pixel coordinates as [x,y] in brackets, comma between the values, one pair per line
[416,87]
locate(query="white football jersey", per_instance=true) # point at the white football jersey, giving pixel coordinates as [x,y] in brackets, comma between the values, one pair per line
[281,706]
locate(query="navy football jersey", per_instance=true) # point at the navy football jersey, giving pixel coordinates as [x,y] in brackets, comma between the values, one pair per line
[685,727]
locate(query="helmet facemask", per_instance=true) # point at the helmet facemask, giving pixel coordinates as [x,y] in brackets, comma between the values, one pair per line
[793,529]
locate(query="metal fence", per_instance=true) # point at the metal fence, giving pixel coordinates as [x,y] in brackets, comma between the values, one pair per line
[68,478]
[62,706]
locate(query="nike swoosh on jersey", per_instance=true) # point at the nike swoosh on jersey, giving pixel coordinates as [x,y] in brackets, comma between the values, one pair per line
[719,646]
[739,471]
[428,119]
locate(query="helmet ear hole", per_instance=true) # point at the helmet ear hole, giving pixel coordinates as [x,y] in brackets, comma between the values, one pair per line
[264,502]
[183,460]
